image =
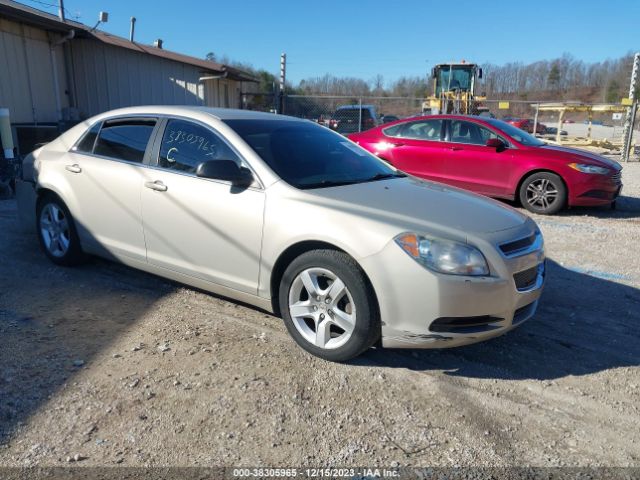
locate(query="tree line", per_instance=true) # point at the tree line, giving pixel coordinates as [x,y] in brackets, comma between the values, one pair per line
[564,78]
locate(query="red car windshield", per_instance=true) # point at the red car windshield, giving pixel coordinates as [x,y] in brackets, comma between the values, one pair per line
[518,135]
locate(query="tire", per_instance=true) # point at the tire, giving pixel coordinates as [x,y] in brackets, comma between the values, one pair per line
[543,193]
[57,233]
[335,329]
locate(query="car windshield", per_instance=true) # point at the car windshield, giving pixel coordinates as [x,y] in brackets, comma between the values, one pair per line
[518,135]
[307,155]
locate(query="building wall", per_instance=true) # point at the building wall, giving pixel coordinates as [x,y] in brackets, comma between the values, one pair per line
[222,92]
[108,77]
[94,77]
[28,73]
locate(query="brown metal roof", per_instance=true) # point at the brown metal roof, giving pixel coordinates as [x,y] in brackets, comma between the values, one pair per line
[38,18]
[206,65]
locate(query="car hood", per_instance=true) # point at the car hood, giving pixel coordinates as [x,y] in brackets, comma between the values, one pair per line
[412,203]
[592,158]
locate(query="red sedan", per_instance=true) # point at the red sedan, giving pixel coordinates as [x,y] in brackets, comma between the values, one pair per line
[491,157]
[526,124]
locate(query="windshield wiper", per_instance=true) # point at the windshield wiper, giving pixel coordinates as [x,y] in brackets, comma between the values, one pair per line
[384,176]
[338,183]
[326,183]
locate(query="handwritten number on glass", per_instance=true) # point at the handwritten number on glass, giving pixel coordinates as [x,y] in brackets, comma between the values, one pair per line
[177,137]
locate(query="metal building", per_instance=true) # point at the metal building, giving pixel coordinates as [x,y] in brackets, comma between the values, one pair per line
[55,72]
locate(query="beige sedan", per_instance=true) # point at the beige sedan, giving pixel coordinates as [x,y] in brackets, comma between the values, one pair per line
[288,216]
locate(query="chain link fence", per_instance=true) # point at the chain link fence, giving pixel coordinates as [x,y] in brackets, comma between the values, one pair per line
[349,114]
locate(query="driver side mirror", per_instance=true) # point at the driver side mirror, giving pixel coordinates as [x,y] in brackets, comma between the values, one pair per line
[226,170]
[496,143]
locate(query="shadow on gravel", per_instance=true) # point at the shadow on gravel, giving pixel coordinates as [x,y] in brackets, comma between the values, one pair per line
[584,325]
[626,207]
[55,321]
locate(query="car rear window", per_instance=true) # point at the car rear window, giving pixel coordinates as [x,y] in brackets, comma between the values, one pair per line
[124,139]
[85,145]
[352,114]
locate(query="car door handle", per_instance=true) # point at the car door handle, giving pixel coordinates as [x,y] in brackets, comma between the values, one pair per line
[397,144]
[75,168]
[157,186]
[455,149]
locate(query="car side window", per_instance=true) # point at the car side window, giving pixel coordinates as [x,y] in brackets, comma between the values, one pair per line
[185,145]
[486,134]
[466,132]
[423,130]
[124,139]
[393,131]
[85,145]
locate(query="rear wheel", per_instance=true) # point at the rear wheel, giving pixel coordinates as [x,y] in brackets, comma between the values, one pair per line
[328,306]
[57,233]
[543,193]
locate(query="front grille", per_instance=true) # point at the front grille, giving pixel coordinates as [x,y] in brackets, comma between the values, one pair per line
[516,246]
[617,177]
[477,324]
[526,278]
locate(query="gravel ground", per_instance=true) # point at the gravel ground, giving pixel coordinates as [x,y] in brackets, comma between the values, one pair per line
[104,365]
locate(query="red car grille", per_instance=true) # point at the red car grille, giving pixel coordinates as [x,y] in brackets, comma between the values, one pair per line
[617,177]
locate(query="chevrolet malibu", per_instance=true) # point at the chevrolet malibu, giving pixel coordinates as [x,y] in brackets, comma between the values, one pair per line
[494,158]
[290,217]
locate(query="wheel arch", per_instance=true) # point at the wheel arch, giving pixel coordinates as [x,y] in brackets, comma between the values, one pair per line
[533,172]
[43,192]
[294,251]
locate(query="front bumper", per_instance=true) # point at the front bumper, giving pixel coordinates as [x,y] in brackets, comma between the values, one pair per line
[595,190]
[423,309]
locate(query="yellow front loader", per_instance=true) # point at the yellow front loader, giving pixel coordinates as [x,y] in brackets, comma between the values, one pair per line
[454,90]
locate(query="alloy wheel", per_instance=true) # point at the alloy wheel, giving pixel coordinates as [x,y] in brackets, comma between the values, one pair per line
[54,229]
[542,193]
[322,308]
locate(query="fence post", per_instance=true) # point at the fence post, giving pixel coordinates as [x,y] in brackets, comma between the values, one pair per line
[634,111]
[283,77]
[560,118]
[360,114]
[628,122]
[535,119]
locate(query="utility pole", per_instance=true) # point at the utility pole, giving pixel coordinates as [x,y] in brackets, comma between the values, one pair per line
[627,133]
[61,10]
[283,77]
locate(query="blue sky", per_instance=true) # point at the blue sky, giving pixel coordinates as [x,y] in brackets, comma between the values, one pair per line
[363,38]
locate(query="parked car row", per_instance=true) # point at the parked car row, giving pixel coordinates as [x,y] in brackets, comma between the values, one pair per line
[286,215]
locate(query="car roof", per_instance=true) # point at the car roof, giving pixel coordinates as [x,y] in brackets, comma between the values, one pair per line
[447,117]
[185,110]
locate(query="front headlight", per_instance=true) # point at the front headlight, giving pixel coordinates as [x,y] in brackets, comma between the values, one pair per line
[586,168]
[444,256]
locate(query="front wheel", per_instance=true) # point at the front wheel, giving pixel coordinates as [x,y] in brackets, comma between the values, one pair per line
[327,305]
[543,193]
[57,233]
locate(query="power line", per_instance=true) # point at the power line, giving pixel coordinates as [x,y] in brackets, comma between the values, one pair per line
[53,5]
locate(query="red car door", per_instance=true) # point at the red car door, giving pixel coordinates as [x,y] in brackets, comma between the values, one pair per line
[416,148]
[472,165]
